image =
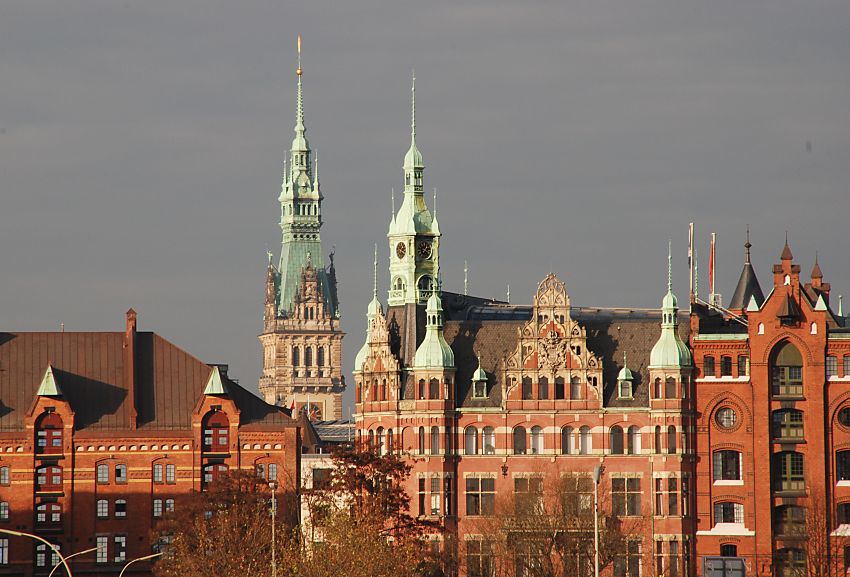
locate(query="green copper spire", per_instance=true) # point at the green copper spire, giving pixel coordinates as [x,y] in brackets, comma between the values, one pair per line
[434,352]
[669,351]
[301,214]
[413,158]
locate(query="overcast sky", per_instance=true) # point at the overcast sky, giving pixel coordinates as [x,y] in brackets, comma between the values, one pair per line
[141,146]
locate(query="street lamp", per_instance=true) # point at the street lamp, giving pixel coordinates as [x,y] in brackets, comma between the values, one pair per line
[273,487]
[145,558]
[43,540]
[597,476]
[55,567]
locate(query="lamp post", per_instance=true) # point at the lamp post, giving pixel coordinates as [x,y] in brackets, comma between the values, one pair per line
[43,540]
[273,486]
[83,552]
[137,559]
[597,476]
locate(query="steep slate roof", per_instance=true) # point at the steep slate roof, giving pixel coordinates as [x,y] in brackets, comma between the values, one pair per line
[92,367]
[748,286]
[490,330]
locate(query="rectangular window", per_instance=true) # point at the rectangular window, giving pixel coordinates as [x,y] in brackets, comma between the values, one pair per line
[102,554]
[842,465]
[576,492]
[169,505]
[102,509]
[727,466]
[4,551]
[844,513]
[436,496]
[673,563]
[725,366]
[625,496]
[659,497]
[157,507]
[120,550]
[526,389]
[788,424]
[480,496]
[480,561]
[272,471]
[708,366]
[743,366]
[726,512]
[261,471]
[543,389]
[672,496]
[170,474]
[421,496]
[103,474]
[321,478]
[4,510]
[847,365]
[789,469]
[831,366]
[157,473]
[787,381]
[120,508]
[528,495]
[120,473]
[4,476]
[627,561]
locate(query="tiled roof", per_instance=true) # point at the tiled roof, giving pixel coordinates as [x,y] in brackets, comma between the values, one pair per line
[92,370]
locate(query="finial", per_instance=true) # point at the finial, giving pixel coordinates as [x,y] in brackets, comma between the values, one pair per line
[413,106]
[316,169]
[435,202]
[269,254]
[465,278]
[669,265]
[298,70]
[392,199]
[841,305]
[375,273]
[696,273]
[747,246]
[625,360]
[509,294]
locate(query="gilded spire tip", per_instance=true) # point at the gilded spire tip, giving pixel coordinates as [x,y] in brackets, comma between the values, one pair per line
[298,70]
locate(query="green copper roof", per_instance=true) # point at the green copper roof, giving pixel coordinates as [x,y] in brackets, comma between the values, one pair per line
[49,387]
[479,374]
[669,351]
[434,352]
[215,386]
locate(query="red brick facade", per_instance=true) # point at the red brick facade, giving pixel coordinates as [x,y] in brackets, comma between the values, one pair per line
[126,426]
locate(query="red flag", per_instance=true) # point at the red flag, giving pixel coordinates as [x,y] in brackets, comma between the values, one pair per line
[292,406]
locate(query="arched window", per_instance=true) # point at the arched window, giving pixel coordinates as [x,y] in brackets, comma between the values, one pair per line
[790,562]
[585,441]
[308,356]
[398,284]
[371,441]
[470,441]
[433,389]
[560,391]
[670,388]
[656,388]
[213,472]
[537,440]
[296,356]
[526,388]
[421,389]
[48,478]
[384,390]
[575,388]
[519,441]
[657,440]
[726,465]
[216,427]
[390,441]
[671,439]
[435,440]
[633,440]
[544,388]
[375,390]
[379,440]
[42,552]
[424,285]
[489,441]
[48,514]
[787,371]
[421,440]
[566,440]
[49,433]
[616,440]
[320,356]
[728,512]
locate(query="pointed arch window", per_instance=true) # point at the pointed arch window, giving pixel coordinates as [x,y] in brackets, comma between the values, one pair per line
[560,391]
[543,391]
[656,388]
[421,389]
[566,440]
[616,435]
[787,371]
[49,433]
[526,388]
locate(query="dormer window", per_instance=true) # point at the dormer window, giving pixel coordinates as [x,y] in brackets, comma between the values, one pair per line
[49,433]
[479,389]
[625,389]
[216,432]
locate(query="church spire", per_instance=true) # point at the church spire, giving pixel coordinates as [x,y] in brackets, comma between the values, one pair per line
[299,143]
[413,159]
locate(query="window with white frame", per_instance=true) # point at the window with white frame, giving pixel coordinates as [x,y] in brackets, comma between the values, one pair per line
[4,510]
[489,441]
[436,495]
[102,553]
[170,474]
[120,508]
[4,551]
[120,548]
[157,473]
[157,507]
[102,508]
[4,476]
[728,512]
[120,473]
[103,474]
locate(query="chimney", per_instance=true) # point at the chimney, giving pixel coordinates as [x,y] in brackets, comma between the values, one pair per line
[130,364]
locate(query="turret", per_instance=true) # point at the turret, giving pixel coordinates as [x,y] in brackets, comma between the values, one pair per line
[748,285]
[373,312]
[669,351]
[434,352]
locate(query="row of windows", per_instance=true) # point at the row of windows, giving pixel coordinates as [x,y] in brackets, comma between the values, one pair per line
[308,352]
[46,557]
[832,366]
[530,442]
[543,390]
[709,367]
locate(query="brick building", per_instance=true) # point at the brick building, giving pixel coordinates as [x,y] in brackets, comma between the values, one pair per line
[102,433]
[725,430]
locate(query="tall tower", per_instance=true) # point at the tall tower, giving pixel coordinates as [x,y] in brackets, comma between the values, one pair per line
[301,339]
[414,235]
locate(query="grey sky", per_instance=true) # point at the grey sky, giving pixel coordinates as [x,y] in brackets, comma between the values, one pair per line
[141,146]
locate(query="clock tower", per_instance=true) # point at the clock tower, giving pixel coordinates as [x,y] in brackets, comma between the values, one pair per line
[414,235]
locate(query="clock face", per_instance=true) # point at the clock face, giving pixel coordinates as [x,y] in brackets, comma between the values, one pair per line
[400,250]
[424,248]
